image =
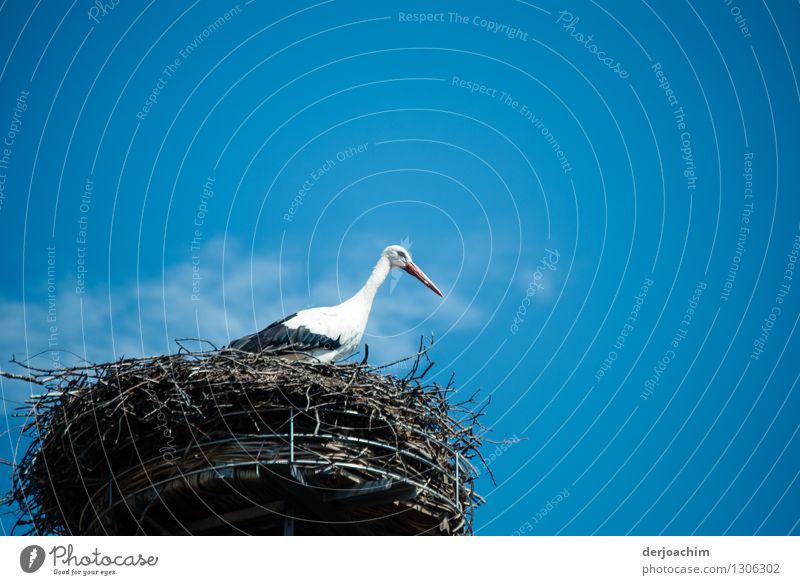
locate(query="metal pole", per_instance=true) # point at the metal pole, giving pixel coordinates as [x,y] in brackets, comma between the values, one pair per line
[291,436]
[288,520]
[458,484]
[288,512]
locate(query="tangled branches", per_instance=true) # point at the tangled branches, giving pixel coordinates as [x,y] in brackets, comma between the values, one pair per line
[225,442]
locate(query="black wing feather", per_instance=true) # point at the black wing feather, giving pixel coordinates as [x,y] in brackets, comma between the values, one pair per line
[277,338]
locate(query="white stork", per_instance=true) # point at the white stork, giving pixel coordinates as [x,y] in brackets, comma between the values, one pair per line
[331,333]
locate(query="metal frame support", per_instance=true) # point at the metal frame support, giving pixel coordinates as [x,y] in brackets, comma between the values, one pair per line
[288,512]
[288,520]
[291,436]
[458,482]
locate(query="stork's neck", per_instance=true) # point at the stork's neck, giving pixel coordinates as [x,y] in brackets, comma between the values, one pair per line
[375,280]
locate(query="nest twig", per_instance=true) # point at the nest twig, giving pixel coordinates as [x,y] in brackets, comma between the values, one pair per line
[226,442]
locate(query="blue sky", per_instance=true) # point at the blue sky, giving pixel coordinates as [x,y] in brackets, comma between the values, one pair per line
[611,220]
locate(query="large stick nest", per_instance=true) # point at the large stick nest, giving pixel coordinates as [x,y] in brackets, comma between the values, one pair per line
[226,442]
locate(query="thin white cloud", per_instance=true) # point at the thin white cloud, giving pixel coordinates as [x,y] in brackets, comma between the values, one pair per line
[145,318]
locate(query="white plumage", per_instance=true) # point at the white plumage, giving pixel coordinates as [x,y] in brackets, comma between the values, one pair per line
[331,333]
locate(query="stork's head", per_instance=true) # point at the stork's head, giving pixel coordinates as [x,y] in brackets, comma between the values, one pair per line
[400,258]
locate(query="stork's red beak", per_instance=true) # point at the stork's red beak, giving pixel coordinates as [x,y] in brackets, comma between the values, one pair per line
[414,271]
